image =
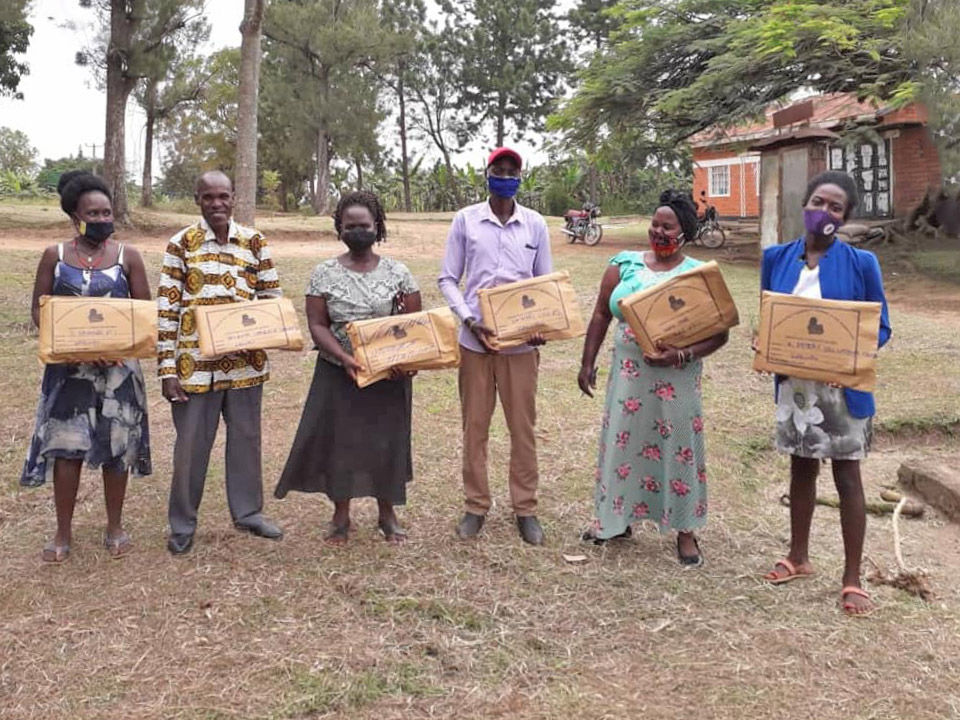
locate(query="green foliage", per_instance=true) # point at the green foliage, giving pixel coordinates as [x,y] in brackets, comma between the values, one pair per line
[17,155]
[202,134]
[515,61]
[676,67]
[15,34]
[51,171]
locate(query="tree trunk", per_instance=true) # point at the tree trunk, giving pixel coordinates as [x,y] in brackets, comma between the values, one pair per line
[356,161]
[321,194]
[119,87]
[146,191]
[246,180]
[592,170]
[501,111]
[451,179]
[404,159]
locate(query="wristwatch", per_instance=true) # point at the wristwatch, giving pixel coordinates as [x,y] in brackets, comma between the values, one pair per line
[470,322]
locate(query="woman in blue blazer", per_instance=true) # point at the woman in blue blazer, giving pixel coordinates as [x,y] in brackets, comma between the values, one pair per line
[818,421]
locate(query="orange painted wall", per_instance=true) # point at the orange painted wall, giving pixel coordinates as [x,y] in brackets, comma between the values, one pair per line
[729,206]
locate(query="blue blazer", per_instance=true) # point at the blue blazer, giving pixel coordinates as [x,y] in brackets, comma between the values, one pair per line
[846,273]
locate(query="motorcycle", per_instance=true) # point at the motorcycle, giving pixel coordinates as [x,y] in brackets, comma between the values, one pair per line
[582,224]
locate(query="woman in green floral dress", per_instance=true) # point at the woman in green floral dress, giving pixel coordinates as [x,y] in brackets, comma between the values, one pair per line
[652,462]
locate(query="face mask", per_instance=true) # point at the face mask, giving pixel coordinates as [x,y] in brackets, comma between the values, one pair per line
[96,231]
[664,247]
[819,223]
[358,239]
[505,187]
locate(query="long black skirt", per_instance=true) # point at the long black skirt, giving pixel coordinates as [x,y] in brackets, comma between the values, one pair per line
[352,442]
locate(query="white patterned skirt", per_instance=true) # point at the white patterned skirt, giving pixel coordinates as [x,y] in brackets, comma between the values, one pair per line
[813,422]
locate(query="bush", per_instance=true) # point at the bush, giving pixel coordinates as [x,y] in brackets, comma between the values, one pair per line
[557,200]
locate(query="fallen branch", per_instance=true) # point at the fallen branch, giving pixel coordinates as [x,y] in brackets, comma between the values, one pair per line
[914,582]
[912,509]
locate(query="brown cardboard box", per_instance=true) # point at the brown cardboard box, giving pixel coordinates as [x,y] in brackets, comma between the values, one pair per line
[424,340]
[683,310]
[251,325]
[833,341]
[86,329]
[546,304]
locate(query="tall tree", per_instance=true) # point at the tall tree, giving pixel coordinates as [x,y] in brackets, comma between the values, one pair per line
[246,179]
[404,21]
[15,34]
[17,155]
[436,86]
[322,48]
[593,19]
[677,67]
[515,61]
[137,37]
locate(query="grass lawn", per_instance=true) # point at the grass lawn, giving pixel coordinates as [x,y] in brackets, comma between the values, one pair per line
[247,628]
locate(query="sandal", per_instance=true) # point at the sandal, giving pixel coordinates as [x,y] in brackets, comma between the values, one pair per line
[589,535]
[849,608]
[392,532]
[792,573]
[337,534]
[690,560]
[55,554]
[118,545]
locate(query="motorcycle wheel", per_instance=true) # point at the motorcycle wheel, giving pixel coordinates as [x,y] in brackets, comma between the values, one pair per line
[593,235]
[571,232]
[713,236]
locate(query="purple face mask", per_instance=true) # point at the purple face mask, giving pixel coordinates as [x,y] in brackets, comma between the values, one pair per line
[819,222]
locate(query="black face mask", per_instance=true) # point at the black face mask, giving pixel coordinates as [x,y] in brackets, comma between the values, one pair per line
[96,232]
[358,239]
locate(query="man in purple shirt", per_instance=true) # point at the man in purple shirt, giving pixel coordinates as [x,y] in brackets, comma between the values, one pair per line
[489,244]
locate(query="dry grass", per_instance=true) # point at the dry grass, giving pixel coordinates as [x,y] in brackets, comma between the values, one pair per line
[246,628]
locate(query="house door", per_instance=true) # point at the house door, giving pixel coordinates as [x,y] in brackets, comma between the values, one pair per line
[793,182]
[869,165]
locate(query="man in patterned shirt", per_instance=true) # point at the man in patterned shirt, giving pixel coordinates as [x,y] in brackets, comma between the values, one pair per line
[212,262]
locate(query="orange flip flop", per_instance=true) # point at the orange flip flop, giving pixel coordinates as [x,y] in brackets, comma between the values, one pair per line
[792,573]
[849,608]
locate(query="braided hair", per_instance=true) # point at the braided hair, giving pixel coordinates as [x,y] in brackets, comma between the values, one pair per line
[77,184]
[685,210]
[365,199]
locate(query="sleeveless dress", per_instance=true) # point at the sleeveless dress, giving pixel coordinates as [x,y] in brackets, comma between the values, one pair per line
[652,460]
[97,414]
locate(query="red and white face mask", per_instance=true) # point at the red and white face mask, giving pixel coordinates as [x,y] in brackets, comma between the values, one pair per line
[664,245]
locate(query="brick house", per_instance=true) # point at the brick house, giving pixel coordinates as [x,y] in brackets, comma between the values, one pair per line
[893,173]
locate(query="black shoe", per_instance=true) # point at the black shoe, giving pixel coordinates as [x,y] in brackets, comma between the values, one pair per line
[261,527]
[469,525]
[690,560]
[530,529]
[180,543]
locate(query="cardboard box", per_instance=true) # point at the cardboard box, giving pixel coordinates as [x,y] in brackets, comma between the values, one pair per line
[248,325]
[833,341]
[681,311]
[87,329]
[546,304]
[424,340]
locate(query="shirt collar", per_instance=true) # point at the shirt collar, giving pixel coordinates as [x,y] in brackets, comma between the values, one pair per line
[233,234]
[490,215]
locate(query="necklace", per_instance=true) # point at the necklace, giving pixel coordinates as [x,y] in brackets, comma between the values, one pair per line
[89,264]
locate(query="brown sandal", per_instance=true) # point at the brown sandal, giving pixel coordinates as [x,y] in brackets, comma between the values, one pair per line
[792,573]
[392,533]
[118,545]
[337,534]
[55,554]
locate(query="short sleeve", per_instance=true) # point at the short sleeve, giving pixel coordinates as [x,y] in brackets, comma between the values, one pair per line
[627,257]
[319,285]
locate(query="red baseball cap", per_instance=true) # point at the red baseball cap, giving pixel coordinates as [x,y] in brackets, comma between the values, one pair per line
[505,152]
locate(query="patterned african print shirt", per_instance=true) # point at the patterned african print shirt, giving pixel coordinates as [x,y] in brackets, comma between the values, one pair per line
[197,270]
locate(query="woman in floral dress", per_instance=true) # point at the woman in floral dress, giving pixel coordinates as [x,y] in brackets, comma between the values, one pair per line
[652,462]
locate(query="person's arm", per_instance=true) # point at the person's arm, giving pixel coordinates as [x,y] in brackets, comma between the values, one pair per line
[873,291]
[43,282]
[670,356]
[597,331]
[169,294]
[136,274]
[318,320]
[268,280]
[451,271]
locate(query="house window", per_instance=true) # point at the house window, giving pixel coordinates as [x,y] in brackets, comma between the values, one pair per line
[720,181]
